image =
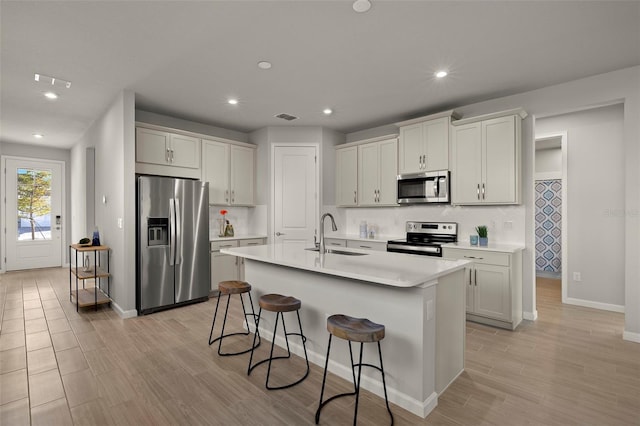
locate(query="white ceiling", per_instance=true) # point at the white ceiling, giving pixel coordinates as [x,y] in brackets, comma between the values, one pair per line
[185,58]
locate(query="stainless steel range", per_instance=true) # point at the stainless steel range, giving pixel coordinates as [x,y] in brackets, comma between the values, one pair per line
[425,238]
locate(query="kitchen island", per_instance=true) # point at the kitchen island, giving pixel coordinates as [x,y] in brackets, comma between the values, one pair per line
[419,299]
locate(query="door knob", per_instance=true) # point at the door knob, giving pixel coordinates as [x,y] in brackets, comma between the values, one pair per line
[278,234]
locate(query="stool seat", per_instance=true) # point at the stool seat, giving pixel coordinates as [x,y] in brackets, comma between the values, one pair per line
[234,287]
[279,303]
[355,329]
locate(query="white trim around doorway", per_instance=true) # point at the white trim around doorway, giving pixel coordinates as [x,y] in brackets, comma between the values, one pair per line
[3,225]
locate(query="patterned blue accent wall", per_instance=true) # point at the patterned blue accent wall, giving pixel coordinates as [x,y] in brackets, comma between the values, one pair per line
[548,225]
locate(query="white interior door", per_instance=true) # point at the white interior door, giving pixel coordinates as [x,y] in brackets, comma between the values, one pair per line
[295,174]
[33,213]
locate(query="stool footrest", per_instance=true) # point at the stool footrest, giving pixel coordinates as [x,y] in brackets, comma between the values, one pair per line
[239,333]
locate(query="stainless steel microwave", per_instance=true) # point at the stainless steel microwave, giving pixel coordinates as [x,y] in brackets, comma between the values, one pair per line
[427,187]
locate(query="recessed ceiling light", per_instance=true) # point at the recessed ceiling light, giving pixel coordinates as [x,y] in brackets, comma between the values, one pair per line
[361,6]
[441,74]
[327,111]
[233,101]
[264,65]
[38,135]
[50,95]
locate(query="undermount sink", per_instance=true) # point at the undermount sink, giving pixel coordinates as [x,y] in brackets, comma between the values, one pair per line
[342,252]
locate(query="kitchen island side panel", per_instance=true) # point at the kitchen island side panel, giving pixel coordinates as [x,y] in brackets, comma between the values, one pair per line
[410,332]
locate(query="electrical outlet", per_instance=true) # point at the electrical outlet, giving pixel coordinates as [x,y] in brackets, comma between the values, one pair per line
[577,276]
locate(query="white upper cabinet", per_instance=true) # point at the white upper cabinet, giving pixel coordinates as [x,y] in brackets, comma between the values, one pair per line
[243,165]
[486,161]
[230,171]
[215,170]
[165,153]
[347,176]
[424,143]
[377,171]
[167,149]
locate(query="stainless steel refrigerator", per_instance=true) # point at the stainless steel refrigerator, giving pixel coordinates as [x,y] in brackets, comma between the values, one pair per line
[173,260]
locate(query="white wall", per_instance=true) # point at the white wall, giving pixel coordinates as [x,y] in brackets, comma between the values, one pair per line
[190,126]
[622,85]
[596,200]
[548,160]
[113,137]
[46,153]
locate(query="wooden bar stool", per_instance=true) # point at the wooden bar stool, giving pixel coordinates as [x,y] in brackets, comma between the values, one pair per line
[280,304]
[229,288]
[354,330]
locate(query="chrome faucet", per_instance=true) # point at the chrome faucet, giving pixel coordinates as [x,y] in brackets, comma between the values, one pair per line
[321,249]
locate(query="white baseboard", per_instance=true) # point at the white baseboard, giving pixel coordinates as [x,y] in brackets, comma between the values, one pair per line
[594,305]
[531,316]
[122,313]
[631,337]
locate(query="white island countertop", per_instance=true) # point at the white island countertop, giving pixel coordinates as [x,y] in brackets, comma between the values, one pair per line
[392,269]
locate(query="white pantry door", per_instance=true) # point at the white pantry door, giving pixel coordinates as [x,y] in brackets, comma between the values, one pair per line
[33,214]
[295,172]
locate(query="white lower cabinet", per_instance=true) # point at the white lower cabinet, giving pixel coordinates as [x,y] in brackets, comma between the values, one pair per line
[225,267]
[335,242]
[359,244]
[494,286]
[367,245]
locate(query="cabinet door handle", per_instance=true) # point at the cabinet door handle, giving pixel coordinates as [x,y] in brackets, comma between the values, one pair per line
[279,234]
[166,156]
[470,277]
[475,276]
[355,197]
[483,197]
[478,191]
[420,162]
[233,196]
[226,195]
[424,161]
[172,155]
[365,247]
[474,257]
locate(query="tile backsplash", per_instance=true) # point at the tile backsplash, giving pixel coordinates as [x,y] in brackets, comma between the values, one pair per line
[505,223]
[245,220]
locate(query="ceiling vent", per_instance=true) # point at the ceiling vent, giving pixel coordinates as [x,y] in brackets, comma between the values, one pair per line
[287,117]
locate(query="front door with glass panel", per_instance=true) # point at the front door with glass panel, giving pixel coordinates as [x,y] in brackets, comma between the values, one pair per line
[33,214]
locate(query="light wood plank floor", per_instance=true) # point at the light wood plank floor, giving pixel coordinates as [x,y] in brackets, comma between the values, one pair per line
[57,367]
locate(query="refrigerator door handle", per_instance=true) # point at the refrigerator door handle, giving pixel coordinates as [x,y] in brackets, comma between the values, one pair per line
[178,248]
[172,231]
